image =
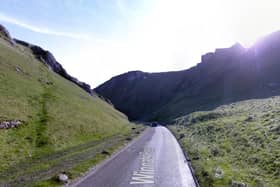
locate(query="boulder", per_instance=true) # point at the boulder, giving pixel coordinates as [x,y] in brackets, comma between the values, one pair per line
[218,173]
[10,124]
[62,177]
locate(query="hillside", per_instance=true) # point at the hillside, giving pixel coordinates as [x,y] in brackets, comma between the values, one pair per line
[47,123]
[224,76]
[234,144]
[147,91]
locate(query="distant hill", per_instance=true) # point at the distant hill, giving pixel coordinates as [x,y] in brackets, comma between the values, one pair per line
[224,76]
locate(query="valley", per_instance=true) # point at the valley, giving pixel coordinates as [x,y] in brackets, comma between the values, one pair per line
[224,113]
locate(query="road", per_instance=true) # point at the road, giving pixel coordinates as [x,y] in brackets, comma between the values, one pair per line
[153,159]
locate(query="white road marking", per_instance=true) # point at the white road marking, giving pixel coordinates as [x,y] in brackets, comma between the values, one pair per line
[146,173]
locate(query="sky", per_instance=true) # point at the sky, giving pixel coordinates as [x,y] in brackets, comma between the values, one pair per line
[95,40]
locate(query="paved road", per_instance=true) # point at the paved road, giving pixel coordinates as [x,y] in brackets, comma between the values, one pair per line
[154,159]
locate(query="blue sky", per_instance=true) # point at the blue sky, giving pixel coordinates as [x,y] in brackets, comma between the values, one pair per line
[52,22]
[97,39]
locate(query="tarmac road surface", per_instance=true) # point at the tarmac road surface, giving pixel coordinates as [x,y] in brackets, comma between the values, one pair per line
[153,159]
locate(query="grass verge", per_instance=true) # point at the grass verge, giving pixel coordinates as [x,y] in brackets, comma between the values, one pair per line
[234,144]
[74,161]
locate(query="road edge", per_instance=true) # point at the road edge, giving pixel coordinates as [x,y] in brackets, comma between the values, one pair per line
[187,157]
[95,168]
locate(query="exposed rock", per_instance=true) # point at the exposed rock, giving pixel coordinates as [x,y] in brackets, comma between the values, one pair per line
[62,177]
[238,184]
[48,59]
[224,76]
[218,173]
[207,57]
[18,70]
[10,124]
[4,33]
[236,49]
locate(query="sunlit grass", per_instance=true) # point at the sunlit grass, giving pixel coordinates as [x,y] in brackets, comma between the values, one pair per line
[57,114]
[241,139]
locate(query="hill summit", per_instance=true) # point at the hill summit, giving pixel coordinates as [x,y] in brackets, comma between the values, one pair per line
[223,76]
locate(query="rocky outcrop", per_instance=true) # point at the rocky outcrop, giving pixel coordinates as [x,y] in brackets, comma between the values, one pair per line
[45,57]
[49,60]
[145,91]
[224,76]
[10,124]
[4,33]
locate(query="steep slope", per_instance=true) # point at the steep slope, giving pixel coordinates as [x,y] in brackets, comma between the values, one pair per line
[140,94]
[224,76]
[43,114]
[48,59]
[234,144]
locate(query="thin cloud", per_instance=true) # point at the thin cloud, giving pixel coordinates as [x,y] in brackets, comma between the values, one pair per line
[44,30]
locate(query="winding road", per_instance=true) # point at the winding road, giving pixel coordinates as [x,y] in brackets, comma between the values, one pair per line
[153,159]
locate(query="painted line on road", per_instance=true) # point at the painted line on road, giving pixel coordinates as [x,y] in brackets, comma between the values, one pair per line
[146,172]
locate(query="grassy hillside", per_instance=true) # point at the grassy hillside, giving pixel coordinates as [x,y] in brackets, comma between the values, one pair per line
[57,115]
[236,143]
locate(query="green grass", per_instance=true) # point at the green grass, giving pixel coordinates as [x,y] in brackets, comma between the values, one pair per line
[75,162]
[73,173]
[57,114]
[241,139]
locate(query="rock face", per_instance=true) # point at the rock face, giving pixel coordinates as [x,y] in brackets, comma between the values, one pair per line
[138,93]
[4,33]
[224,76]
[48,59]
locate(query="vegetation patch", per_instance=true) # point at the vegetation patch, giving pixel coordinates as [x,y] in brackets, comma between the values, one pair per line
[234,144]
[74,161]
[43,118]
[63,125]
